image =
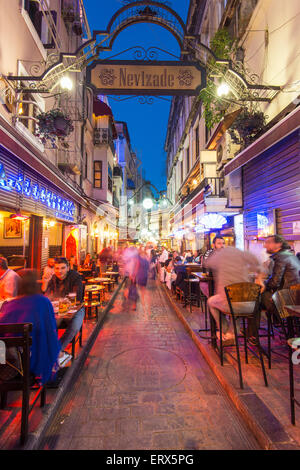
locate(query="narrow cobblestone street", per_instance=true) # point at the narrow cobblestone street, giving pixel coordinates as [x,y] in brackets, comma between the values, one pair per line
[145,386]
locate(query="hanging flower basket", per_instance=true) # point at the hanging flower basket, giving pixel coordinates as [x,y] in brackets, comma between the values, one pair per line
[246,127]
[53,124]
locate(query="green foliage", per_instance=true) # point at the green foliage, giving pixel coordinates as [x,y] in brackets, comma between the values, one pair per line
[222,46]
[246,127]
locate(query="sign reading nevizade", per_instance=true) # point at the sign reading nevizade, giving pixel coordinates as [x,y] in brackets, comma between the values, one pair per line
[148,78]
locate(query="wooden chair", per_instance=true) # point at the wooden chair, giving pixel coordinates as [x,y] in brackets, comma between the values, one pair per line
[295,291]
[243,292]
[19,337]
[282,298]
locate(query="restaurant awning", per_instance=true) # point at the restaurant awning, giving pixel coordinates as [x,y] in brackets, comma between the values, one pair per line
[102,109]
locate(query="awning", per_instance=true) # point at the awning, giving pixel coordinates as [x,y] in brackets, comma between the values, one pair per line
[102,109]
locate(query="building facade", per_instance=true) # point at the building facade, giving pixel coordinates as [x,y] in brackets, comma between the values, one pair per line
[65,189]
[214,186]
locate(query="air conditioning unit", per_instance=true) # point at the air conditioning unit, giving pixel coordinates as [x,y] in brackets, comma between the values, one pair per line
[226,150]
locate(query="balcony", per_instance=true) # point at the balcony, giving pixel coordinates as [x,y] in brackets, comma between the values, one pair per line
[103,136]
[44,21]
[66,163]
[213,188]
[117,172]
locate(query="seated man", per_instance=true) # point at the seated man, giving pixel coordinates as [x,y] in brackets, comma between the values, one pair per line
[8,281]
[47,274]
[218,243]
[63,282]
[284,271]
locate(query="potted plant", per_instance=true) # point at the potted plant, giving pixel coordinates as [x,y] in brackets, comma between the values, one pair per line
[247,126]
[53,124]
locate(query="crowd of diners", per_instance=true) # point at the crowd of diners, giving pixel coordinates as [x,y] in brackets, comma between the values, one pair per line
[25,298]
[228,265]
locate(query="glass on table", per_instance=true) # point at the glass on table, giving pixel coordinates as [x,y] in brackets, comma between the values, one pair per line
[64,305]
[72,298]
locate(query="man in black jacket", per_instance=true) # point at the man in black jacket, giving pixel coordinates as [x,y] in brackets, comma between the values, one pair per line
[284,271]
[63,282]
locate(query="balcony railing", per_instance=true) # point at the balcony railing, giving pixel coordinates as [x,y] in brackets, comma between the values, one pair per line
[117,172]
[213,187]
[116,201]
[103,136]
[44,20]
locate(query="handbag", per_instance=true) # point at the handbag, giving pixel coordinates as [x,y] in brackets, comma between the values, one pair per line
[13,365]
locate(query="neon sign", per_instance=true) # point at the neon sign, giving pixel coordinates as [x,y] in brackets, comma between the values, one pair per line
[24,185]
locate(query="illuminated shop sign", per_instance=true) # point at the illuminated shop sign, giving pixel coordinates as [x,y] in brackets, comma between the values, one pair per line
[212,221]
[21,184]
[266,223]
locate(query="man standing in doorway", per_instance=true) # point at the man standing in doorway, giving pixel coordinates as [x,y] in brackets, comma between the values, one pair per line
[218,243]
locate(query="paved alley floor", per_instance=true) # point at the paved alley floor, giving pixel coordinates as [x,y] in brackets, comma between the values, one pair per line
[145,385]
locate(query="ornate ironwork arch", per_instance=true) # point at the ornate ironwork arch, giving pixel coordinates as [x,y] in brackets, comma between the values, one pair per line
[147,12]
[143,11]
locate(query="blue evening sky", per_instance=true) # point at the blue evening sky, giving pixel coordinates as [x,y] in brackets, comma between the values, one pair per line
[147,124]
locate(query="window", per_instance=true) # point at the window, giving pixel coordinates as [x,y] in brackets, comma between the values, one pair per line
[197,141]
[109,176]
[98,174]
[187,161]
[86,164]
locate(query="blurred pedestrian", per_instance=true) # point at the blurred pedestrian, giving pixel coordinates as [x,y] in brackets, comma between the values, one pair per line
[230,265]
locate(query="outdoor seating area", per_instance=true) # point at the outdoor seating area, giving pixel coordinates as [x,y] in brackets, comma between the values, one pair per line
[37,358]
[264,341]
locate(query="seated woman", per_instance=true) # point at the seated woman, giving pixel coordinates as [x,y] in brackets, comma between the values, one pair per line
[31,307]
[87,262]
[73,263]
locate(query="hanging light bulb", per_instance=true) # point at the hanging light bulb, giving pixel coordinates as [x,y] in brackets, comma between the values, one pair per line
[223,89]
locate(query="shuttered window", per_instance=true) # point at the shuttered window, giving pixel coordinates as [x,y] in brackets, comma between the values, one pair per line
[98,174]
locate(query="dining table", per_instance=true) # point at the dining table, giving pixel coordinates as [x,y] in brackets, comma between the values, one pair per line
[206,277]
[64,318]
[16,268]
[98,280]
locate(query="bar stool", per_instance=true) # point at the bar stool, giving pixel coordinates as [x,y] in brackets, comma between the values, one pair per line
[92,302]
[193,290]
[237,294]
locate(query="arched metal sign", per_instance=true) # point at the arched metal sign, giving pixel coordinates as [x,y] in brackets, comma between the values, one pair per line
[129,77]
